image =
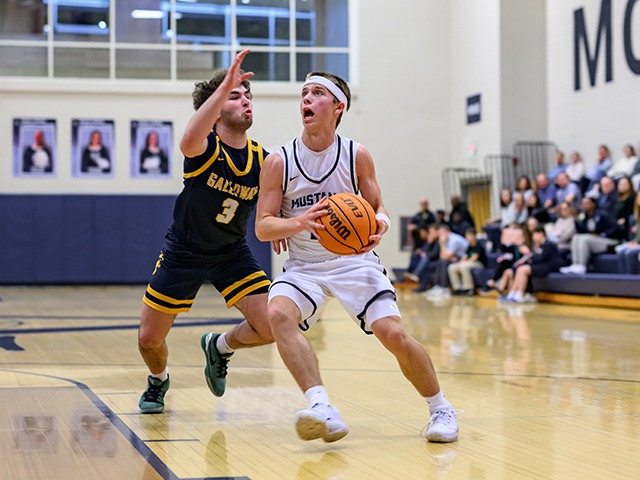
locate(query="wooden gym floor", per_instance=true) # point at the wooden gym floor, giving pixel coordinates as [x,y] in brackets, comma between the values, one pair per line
[547,392]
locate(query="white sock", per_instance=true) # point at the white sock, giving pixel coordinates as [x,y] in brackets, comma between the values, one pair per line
[510,295]
[222,345]
[163,375]
[438,403]
[517,296]
[317,394]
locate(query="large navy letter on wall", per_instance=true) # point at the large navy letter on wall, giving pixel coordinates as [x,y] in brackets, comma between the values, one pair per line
[580,37]
[632,61]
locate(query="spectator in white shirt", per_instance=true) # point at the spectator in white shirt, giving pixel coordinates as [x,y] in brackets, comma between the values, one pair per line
[625,165]
[576,169]
[564,228]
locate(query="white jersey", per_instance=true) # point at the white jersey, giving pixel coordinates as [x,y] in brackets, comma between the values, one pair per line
[307,177]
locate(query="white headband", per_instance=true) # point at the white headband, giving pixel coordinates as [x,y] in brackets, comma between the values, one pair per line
[329,85]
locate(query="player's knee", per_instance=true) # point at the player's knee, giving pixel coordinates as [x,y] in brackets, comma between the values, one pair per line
[279,318]
[149,340]
[392,335]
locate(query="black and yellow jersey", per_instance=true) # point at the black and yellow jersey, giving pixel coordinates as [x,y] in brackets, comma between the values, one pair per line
[220,192]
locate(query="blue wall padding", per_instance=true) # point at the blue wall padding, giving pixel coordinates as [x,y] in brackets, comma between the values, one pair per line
[73,239]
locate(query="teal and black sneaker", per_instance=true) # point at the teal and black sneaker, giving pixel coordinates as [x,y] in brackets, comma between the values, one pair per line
[152,400]
[216,369]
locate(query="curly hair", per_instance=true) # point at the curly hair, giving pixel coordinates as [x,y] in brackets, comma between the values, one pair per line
[340,83]
[205,89]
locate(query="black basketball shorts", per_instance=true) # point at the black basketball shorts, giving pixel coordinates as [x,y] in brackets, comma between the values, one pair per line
[179,273]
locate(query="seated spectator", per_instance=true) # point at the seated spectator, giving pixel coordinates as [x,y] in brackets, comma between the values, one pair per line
[545,259]
[624,205]
[508,275]
[460,276]
[512,248]
[546,191]
[452,248]
[635,175]
[523,186]
[530,225]
[628,252]
[600,166]
[624,165]
[422,219]
[460,207]
[559,168]
[576,169]
[597,231]
[458,224]
[441,217]
[516,211]
[564,228]
[505,201]
[536,210]
[605,194]
[423,261]
[567,191]
[417,253]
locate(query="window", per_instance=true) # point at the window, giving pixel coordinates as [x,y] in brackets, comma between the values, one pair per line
[172,39]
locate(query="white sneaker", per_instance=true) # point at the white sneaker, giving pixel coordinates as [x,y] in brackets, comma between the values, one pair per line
[528,298]
[412,277]
[320,421]
[434,292]
[442,427]
[574,269]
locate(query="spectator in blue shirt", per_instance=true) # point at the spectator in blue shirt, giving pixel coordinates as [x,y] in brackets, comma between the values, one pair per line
[600,167]
[546,190]
[560,166]
[567,191]
[452,248]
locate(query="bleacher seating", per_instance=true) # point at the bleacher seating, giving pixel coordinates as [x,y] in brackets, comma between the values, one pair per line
[602,279]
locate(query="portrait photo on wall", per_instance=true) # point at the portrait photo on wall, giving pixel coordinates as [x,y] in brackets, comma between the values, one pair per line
[151,147]
[92,143]
[34,147]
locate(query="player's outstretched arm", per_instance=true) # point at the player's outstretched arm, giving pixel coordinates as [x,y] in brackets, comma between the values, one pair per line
[370,191]
[269,225]
[194,139]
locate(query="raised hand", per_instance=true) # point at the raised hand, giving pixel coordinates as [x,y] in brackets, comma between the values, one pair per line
[234,77]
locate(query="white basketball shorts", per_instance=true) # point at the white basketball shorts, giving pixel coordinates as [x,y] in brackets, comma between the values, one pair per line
[359,282]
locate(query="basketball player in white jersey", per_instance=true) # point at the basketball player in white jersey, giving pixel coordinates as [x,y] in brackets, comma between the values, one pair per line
[293,183]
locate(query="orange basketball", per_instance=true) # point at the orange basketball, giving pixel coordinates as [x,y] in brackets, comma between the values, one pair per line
[348,225]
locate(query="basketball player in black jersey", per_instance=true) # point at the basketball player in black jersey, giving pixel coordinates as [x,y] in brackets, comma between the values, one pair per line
[206,241]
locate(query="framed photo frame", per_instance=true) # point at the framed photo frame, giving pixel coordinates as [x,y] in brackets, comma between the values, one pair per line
[34,147]
[151,149]
[92,147]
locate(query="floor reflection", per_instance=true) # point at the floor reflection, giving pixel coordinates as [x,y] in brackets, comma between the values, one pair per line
[55,432]
[331,466]
[216,455]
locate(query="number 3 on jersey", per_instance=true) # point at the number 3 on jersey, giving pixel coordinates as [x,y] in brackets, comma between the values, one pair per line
[230,206]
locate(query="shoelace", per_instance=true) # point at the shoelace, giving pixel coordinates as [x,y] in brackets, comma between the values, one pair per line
[221,363]
[318,406]
[152,393]
[221,367]
[446,416]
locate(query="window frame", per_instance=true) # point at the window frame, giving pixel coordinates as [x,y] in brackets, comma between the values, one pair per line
[236,44]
